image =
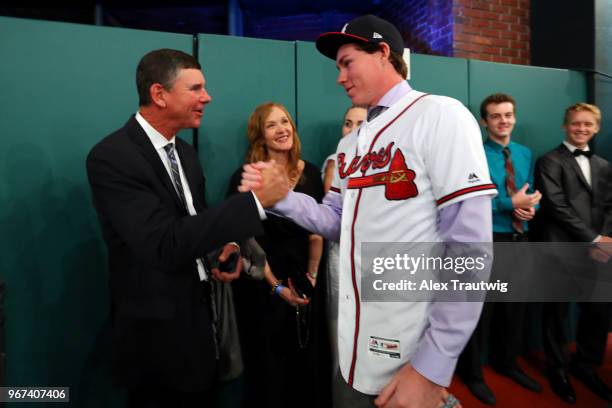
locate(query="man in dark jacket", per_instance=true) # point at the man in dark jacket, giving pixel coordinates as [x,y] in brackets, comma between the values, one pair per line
[576,207]
[148,191]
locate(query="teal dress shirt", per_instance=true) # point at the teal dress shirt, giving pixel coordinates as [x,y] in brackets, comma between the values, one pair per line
[522,160]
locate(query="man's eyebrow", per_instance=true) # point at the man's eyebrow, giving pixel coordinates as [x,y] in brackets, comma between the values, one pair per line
[341,60]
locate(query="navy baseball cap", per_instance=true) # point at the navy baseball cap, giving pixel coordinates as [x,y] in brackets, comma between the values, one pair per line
[364,29]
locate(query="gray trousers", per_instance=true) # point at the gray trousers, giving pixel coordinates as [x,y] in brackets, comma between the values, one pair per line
[347,397]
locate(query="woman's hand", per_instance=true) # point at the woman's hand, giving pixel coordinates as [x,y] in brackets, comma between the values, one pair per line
[289,295]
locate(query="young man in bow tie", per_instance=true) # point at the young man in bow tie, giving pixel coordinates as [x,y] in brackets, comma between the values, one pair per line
[576,206]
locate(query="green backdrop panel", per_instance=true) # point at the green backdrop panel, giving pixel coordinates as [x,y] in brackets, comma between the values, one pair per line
[603,141]
[440,76]
[64,87]
[240,73]
[541,94]
[321,102]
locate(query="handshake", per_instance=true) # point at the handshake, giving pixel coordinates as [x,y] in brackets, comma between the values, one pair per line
[602,250]
[267,180]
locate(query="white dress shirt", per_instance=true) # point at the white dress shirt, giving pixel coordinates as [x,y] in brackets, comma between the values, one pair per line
[583,161]
[159,141]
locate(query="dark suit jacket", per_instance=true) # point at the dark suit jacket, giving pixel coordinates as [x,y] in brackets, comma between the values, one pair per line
[162,330]
[570,209]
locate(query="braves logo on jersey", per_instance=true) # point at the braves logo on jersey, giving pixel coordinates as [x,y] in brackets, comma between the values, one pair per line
[398,181]
[376,160]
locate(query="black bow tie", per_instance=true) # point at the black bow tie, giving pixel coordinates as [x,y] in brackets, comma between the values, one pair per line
[586,153]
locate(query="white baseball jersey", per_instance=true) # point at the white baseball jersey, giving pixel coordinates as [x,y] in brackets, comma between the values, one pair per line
[395,174]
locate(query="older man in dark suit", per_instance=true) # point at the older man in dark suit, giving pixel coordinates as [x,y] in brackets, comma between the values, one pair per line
[576,207]
[148,191]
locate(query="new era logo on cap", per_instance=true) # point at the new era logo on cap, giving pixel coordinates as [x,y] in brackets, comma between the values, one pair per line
[376,35]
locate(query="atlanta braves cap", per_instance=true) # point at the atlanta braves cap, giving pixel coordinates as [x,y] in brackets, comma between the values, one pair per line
[364,29]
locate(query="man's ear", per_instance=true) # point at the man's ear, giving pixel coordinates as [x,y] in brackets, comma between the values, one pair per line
[158,93]
[483,122]
[385,49]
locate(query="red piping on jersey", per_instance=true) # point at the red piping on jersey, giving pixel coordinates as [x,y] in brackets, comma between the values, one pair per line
[394,119]
[334,189]
[356,292]
[353,276]
[464,191]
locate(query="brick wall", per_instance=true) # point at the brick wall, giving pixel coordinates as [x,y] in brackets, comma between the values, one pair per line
[492,30]
[426,25]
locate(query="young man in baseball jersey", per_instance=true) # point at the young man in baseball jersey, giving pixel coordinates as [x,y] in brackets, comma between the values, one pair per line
[511,168]
[415,171]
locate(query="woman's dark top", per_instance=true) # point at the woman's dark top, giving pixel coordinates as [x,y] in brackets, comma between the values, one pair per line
[286,358]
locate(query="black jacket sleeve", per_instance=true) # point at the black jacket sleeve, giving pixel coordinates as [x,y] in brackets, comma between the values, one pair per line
[133,213]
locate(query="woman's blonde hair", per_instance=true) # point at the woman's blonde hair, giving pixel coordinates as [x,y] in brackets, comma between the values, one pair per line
[258,151]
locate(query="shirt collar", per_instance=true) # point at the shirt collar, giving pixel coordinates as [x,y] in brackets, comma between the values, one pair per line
[496,146]
[158,140]
[571,147]
[394,94]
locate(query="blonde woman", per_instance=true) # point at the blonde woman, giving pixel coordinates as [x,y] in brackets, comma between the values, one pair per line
[286,356]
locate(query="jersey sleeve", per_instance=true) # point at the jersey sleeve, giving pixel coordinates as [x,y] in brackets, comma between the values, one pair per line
[319,218]
[454,155]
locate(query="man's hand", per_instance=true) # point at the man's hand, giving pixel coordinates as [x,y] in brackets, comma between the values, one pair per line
[523,200]
[251,176]
[228,276]
[524,214]
[409,389]
[605,244]
[599,255]
[267,180]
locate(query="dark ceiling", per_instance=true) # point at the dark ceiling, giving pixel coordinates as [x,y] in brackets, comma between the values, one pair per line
[190,17]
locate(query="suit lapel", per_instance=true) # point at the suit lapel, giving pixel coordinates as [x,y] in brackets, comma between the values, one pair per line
[569,157]
[192,171]
[595,174]
[140,138]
